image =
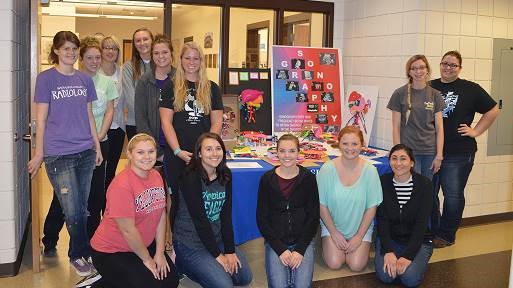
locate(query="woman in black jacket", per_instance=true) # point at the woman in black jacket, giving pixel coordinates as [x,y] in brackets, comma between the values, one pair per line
[288,218]
[404,243]
[203,231]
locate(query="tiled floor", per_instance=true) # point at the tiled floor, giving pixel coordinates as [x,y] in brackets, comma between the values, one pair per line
[483,241]
[471,241]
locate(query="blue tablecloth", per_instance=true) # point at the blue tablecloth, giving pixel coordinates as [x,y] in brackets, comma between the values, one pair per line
[245,194]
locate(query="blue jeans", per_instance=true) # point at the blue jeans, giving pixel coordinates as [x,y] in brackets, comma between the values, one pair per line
[452,178]
[414,274]
[423,165]
[280,276]
[70,176]
[201,267]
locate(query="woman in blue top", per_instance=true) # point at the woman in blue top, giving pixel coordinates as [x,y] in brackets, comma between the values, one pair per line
[67,140]
[349,192]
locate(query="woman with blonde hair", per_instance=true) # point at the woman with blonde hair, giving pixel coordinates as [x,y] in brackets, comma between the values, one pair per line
[417,117]
[110,67]
[128,246]
[190,106]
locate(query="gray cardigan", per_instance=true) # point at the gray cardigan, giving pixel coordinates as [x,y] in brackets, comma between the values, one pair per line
[147,99]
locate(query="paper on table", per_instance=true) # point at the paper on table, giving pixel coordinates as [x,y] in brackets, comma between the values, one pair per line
[243,165]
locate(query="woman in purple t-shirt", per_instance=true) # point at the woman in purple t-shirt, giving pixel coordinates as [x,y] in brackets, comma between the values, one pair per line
[67,141]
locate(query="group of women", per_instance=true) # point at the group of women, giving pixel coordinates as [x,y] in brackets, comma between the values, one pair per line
[352,198]
[174,115]
[81,124]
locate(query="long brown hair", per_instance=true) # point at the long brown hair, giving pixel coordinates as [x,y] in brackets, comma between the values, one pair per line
[136,57]
[58,40]
[203,85]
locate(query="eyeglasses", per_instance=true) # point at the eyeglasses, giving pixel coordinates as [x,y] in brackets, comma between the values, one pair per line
[419,68]
[110,48]
[449,65]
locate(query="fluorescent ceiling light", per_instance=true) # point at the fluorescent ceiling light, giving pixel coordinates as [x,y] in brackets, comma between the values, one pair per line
[119,2]
[100,16]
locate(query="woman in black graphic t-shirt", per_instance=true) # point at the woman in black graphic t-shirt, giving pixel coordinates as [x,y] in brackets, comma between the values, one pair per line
[203,231]
[190,106]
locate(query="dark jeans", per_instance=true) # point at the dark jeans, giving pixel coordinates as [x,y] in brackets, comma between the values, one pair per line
[414,274]
[96,205]
[201,267]
[96,202]
[131,131]
[70,176]
[126,270]
[53,224]
[116,141]
[452,178]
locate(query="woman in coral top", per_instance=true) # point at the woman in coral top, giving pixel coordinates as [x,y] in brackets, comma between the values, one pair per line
[128,246]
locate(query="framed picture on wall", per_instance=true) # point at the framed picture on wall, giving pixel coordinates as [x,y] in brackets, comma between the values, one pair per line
[208,41]
[46,46]
[214,61]
[188,39]
[127,50]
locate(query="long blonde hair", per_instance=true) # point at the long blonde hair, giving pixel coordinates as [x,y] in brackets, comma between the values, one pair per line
[202,85]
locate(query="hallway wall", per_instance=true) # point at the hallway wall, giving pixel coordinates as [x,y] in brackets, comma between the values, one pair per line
[378,38]
[14,119]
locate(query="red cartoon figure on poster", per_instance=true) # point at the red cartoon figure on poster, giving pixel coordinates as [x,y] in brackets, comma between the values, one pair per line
[228,119]
[250,101]
[358,107]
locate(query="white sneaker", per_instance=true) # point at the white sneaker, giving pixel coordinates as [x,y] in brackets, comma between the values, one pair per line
[89,280]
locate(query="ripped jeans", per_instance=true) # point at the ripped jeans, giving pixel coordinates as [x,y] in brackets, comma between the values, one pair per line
[70,176]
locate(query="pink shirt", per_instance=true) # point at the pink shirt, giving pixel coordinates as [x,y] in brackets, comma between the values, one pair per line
[130,196]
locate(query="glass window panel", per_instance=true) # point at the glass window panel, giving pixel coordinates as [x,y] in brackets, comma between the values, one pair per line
[303,29]
[201,24]
[251,34]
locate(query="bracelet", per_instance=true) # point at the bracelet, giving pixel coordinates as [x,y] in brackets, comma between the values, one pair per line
[177,151]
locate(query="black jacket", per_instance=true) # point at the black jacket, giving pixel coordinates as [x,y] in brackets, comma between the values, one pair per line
[146,107]
[410,227]
[284,222]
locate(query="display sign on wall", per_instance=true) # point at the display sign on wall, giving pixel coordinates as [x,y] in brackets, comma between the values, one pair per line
[360,108]
[306,87]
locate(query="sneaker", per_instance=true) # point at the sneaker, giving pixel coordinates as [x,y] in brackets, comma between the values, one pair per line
[89,280]
[50,252]
[90,261]
[441,243]
[82,267]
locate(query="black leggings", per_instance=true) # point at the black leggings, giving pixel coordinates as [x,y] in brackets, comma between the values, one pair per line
[116,141]
[126,270]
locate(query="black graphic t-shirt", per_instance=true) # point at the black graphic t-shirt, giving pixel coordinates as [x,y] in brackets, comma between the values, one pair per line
[191,122]
[462,100]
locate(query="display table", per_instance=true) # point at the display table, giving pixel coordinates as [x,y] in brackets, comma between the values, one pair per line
[245,194]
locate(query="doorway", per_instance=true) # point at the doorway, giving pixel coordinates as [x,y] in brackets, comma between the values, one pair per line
[257,45]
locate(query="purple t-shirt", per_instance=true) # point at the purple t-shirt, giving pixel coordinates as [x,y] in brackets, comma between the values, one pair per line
[67,128]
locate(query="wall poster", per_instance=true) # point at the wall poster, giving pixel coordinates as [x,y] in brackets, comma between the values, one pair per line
[306,87]
[359,108]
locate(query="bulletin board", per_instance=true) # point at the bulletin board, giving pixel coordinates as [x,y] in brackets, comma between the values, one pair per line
[254,89]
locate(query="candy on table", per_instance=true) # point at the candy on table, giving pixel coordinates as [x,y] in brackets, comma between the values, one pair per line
[368,152]
[243,152]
